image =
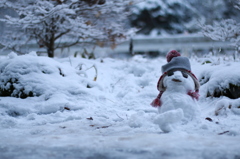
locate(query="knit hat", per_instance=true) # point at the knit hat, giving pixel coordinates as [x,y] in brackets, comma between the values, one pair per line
[175,63]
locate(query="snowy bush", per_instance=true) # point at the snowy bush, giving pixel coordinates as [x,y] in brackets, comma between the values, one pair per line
[30,75]
[224,107]
[225,30]
[221,80]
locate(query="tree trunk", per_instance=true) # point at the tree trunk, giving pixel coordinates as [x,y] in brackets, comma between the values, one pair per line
[50,52]
[50,49]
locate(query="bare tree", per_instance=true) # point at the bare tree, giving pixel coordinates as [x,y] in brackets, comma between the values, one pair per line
[54,24]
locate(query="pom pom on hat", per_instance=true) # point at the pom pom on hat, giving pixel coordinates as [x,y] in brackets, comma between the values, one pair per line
[172,54]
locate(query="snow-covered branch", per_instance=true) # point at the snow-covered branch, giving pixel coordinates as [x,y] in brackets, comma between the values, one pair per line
[224,30]
[47,21]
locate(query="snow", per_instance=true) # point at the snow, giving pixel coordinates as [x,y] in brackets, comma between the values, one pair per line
[76,117]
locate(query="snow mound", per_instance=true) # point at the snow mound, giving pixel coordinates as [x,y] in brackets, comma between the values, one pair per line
[221,80]
[29,76]
[51,86]
[226,107]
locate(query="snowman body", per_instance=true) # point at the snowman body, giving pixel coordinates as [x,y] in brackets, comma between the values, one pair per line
[177,106]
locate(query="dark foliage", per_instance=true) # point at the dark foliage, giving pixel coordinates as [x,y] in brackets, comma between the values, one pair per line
[93,2]
[150,19]
[233,92]
[8,88]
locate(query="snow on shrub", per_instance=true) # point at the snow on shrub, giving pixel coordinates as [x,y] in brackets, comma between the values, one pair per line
[221,80]
[225,107]
[30,75]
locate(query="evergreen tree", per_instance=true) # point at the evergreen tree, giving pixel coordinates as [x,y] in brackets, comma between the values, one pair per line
[175,16]
[210,10]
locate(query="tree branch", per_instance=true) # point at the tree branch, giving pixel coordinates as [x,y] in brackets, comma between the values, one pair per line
[67,45]
[61,34]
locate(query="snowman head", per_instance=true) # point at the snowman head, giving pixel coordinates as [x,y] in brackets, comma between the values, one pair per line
[176,63]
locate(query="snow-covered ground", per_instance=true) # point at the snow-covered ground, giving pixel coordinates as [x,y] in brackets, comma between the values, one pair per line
[74,116]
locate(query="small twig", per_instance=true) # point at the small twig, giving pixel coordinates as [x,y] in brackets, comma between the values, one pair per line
[209,119]
[90,118]
[113,85]
[223,132]
[79,66]
[70,61]
[95,77]
[120,117]
[67,108]
[103,127]
[110,100]
[100,127]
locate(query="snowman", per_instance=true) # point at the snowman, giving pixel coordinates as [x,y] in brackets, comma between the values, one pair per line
[178,93]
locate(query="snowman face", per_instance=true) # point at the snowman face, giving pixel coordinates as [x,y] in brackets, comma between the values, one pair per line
[171,73]
[176,79]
